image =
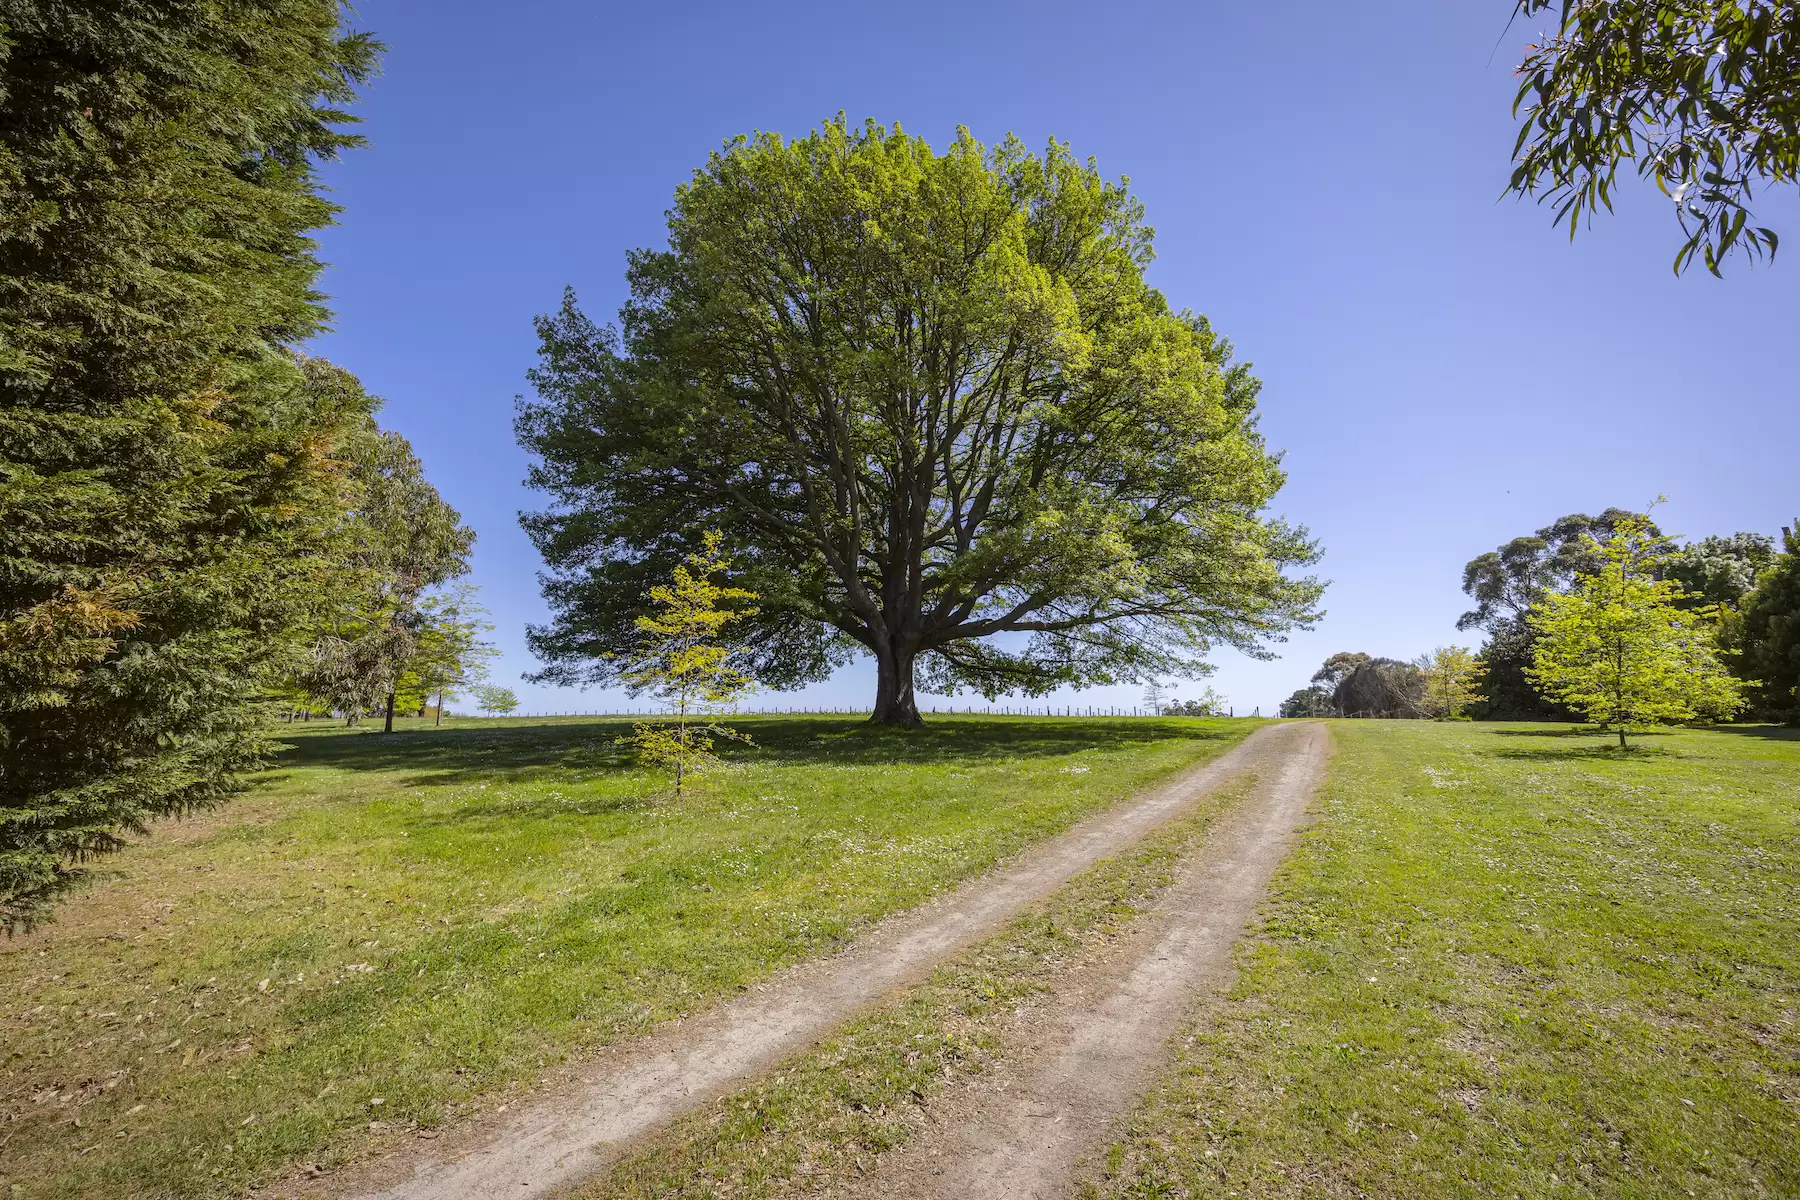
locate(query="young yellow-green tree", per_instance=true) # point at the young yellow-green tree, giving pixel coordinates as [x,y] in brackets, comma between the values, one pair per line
[1620,650]
[685,660]
[1452,681]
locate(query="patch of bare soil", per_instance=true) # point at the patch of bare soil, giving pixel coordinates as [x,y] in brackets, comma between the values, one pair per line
[1090,1050]
[561,1138]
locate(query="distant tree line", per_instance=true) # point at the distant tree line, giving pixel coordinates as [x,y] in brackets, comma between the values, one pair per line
[1442,684]
[1746,582]
[938,416]
[1738,594]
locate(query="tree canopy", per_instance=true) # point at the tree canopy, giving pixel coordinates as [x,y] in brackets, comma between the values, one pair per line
[1450,681]
[169,468]
[1720,570]
[686,658]
[399,539]
[1619,649]
[937,415]
[449,655]
[1715,572]
[1506,583]
[1702,95]
[1307,702]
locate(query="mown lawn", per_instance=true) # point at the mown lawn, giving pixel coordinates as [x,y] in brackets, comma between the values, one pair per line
[390,930]
[1509,961]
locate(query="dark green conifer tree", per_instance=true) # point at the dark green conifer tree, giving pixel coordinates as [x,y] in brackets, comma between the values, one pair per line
[170,469]
[1771,633]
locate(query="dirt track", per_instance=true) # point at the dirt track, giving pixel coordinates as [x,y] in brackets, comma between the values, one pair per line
[559,1139]
[1096,1044]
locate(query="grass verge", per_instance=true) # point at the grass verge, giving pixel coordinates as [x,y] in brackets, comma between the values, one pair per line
[1509,961]
[826,1115]
[392,930]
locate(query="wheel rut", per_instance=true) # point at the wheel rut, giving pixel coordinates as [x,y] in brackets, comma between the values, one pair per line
[1096,1044]
[558,1139]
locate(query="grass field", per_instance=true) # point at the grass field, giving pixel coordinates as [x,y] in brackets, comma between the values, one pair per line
[824,1117]
[1509,961]
[388,931]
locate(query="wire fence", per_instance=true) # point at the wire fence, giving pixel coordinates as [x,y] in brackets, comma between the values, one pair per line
[998,710]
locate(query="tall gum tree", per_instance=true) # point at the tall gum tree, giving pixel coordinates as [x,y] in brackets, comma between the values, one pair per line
[937,414]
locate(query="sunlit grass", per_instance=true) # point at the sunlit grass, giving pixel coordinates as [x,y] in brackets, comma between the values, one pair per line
[391,930]
[1510,961]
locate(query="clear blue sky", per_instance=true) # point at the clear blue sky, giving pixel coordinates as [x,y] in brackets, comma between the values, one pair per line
[1443,370]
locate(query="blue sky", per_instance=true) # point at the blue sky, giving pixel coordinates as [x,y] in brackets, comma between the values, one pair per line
[1443,370]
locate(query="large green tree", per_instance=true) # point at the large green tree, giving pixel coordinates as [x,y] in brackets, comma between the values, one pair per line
[169,469]
[399,540]
[1364,686]
[1715,571]
[1703,96]
[937,414]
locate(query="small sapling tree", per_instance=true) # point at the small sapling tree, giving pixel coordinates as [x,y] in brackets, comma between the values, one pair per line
[1452,681]
[683,658]
[1621,651]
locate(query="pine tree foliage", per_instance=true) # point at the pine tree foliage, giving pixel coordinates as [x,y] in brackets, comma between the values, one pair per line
[170,471]
[1621,650]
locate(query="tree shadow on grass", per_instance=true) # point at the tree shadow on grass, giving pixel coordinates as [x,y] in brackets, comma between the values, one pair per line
[1611,752]
[1580,742]
[1777,733]
[1576,731]
[519,753]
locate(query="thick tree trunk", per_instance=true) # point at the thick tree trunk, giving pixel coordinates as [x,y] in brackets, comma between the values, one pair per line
[894,700]
[388,725]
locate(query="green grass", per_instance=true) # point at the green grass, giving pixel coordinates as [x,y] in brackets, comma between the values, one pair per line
[390,931]
[1509,961]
